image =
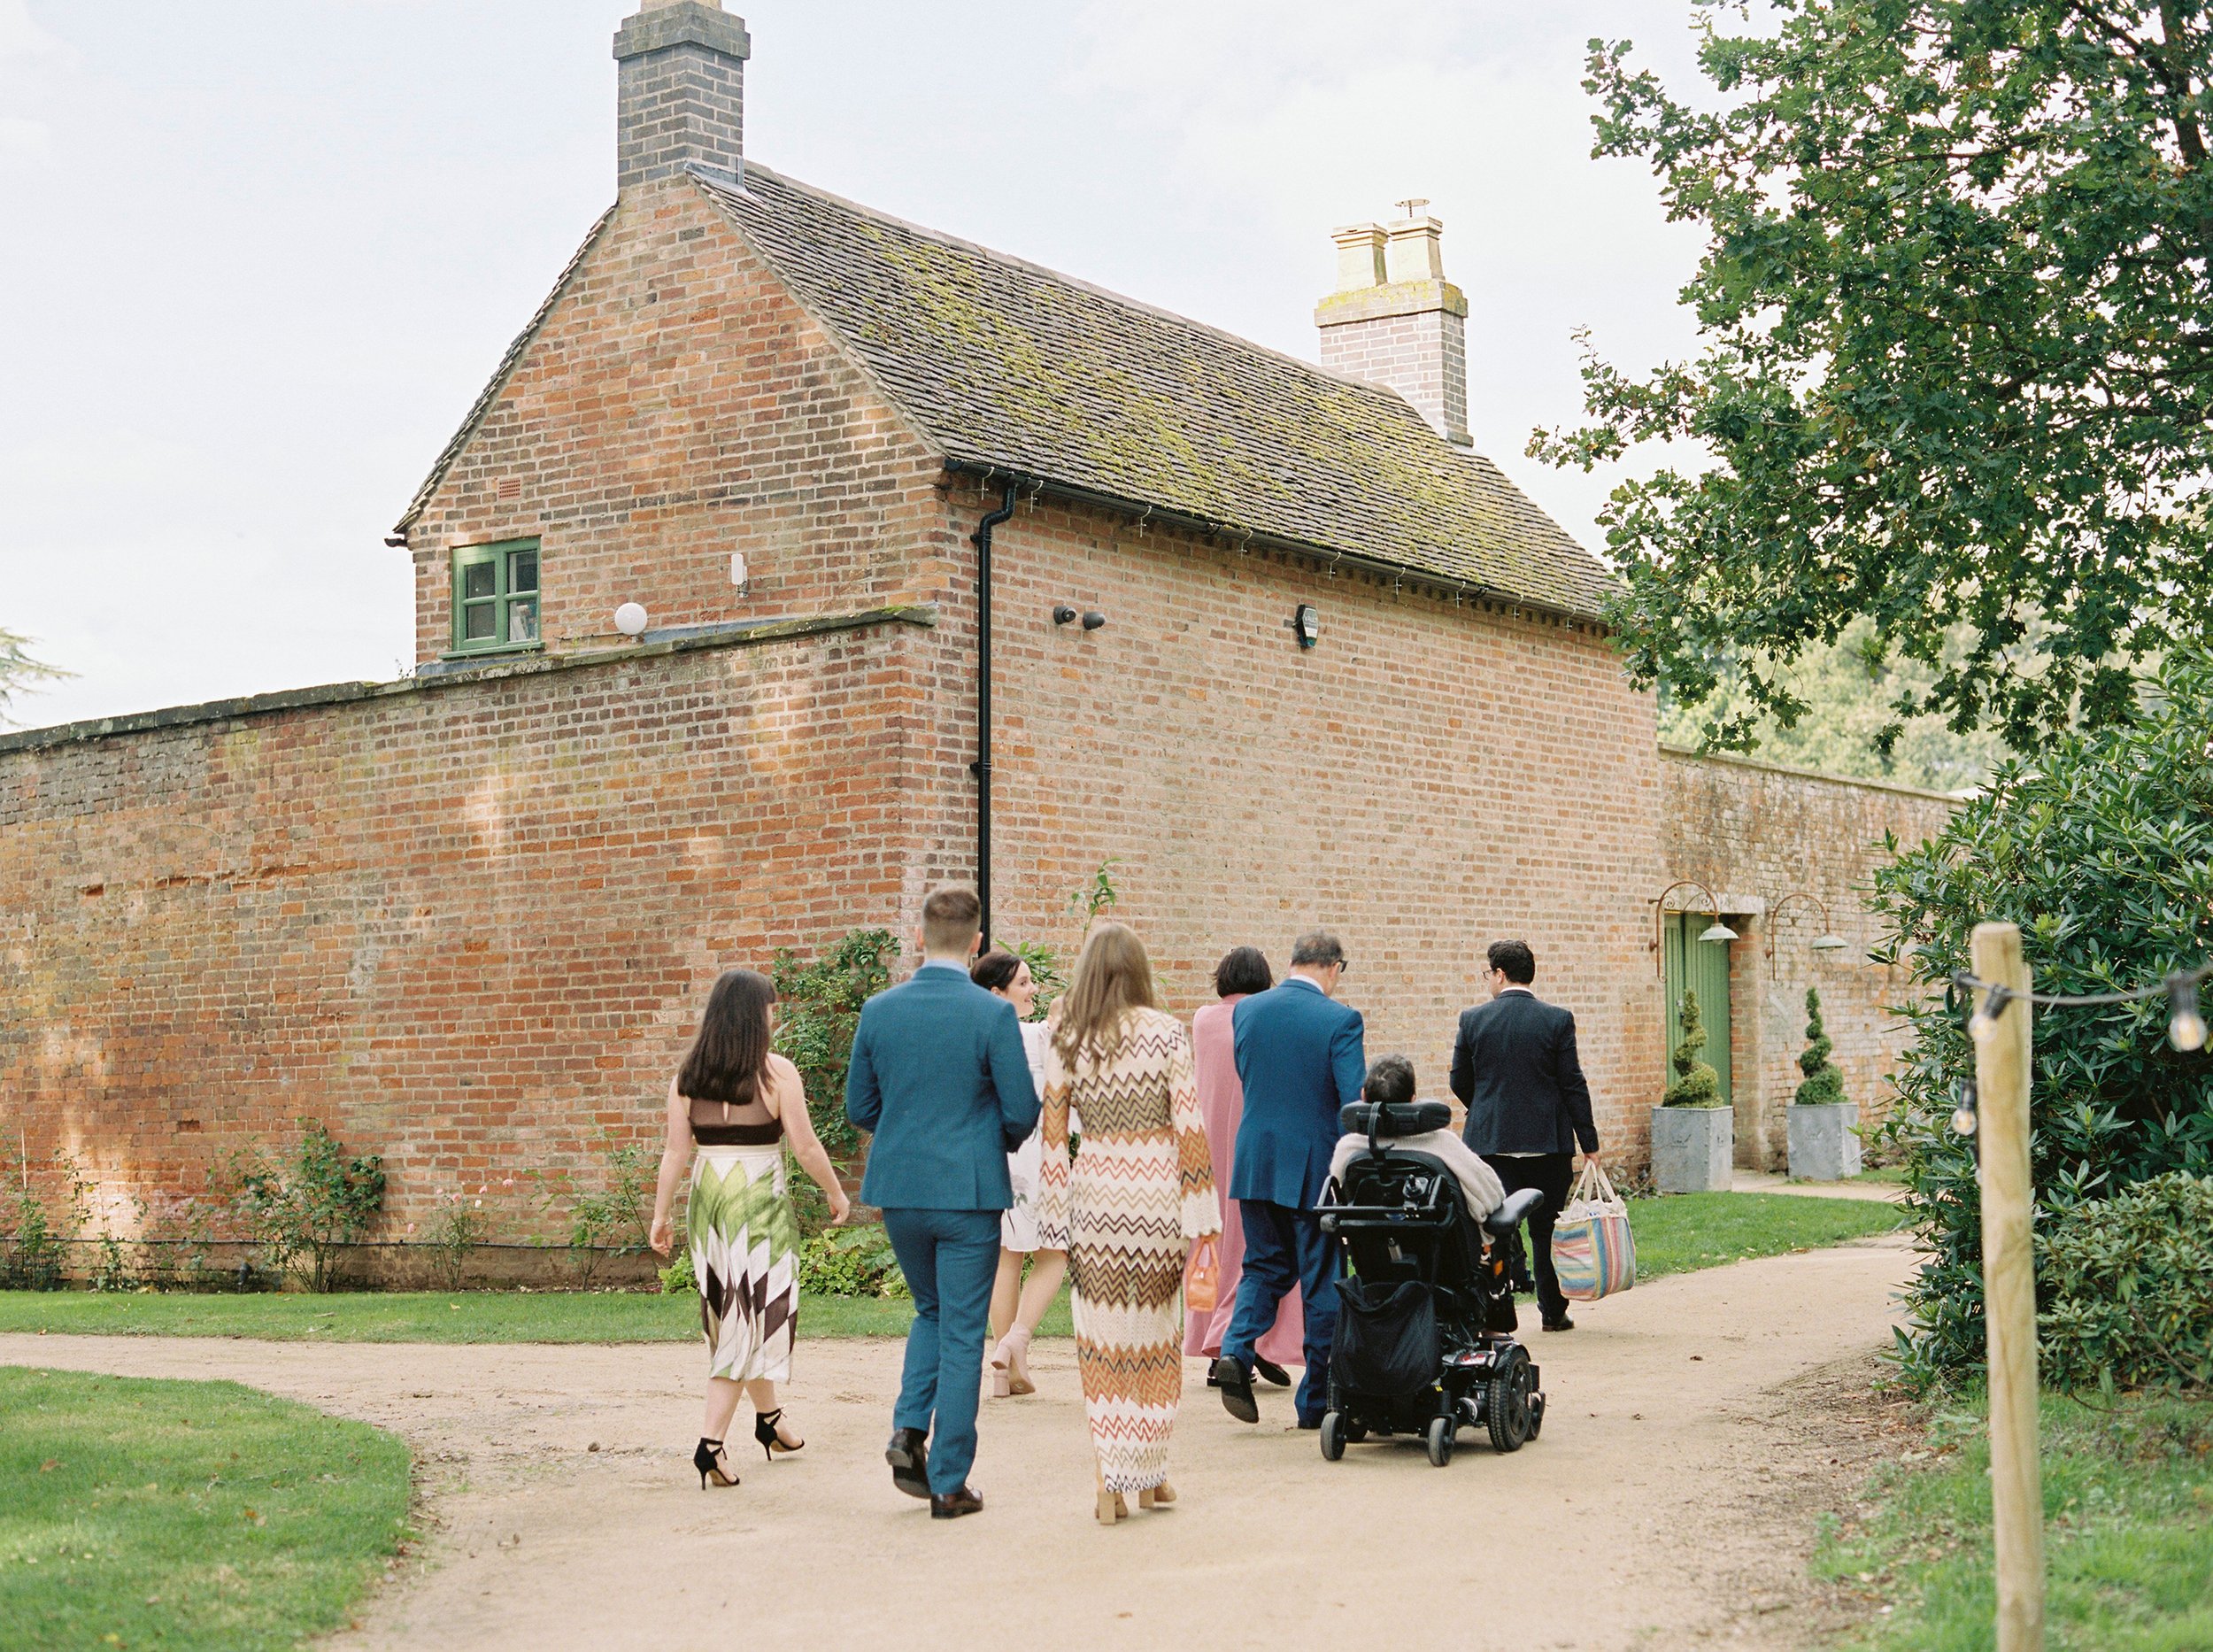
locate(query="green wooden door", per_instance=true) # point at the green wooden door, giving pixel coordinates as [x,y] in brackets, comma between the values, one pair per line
[1703,967]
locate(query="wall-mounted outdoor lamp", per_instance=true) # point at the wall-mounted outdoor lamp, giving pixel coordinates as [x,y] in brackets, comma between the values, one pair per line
[630,619]
[1717,932]
[739,577]
[1063,614]
[1827,941]
[1093,619]
[1306,624]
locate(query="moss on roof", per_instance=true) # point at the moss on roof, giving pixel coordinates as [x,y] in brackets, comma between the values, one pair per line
[1005,364]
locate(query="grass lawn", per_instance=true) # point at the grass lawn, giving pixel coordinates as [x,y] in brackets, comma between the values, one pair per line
[1673,1236]
[2128,1508]
[184,1514]
[433,1316]
[1690,1230]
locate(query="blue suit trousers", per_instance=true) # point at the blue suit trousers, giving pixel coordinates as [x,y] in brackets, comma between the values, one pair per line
[1286,1250]
[950,1258]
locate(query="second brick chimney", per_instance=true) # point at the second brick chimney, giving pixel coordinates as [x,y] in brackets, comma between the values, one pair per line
[1396,321]
[681,91]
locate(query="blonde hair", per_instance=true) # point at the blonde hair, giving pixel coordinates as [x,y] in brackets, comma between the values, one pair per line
[1113,977]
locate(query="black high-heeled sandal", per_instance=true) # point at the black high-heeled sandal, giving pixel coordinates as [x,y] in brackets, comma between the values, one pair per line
[765,1432]
[708,1459]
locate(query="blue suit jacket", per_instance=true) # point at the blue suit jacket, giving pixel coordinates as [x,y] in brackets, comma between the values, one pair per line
[939,1076]
[1300,1058]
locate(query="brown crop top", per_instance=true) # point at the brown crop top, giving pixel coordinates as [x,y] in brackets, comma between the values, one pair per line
[734,1123]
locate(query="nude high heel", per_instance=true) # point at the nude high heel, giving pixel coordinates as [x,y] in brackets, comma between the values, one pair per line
[1156,1496]
[1111,1508]
[995,1367]
[1016,1348]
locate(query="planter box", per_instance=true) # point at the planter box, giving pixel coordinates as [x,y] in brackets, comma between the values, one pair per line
[1693,1148]
[1824,1146]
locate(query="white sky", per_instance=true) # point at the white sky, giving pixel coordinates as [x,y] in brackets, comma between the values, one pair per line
[257,257]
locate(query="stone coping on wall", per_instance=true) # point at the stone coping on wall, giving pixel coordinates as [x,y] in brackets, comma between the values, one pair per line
[1691,753]
[744,633]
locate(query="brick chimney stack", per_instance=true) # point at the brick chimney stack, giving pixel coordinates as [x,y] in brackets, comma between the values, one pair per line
[1396,321]
[681,97]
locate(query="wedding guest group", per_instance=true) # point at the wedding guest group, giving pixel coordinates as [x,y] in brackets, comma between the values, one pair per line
[1197,1165]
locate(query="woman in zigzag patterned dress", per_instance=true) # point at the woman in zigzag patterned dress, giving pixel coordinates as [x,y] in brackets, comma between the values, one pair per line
[1128,1209]
[739,1101]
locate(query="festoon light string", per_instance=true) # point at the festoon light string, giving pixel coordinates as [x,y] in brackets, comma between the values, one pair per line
[2185,1022]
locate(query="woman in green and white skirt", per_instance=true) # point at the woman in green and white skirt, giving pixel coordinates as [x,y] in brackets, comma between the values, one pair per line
[737,1102]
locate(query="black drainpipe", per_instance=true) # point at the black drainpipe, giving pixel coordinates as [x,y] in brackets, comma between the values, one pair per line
[982,768]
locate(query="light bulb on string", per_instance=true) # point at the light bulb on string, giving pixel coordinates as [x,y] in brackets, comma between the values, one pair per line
[2185,1025]
[1963,1119]
[1982,1026]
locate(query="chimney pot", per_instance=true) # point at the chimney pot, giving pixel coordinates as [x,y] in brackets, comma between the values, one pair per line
[1414,252]
[1360,257]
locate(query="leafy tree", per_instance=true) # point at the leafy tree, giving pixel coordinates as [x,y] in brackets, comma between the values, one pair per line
[1696,1083]
[18,670]
[1850,689]
[2103,854]
[1956,372]
[1824,1080]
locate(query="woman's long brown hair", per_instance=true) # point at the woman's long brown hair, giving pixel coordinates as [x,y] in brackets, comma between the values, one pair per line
[1113,977]
[729,1058]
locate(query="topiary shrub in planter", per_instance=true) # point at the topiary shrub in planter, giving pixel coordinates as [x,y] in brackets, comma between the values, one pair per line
[1693,1133]
[1824,1140]
[2103,854]
[2132,1290]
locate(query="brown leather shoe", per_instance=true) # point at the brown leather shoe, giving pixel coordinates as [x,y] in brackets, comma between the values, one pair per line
[951,1505]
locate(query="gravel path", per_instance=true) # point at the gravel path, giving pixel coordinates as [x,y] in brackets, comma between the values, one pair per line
[1668,1504]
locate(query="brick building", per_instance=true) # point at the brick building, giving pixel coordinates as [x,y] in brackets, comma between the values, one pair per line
[1347,673]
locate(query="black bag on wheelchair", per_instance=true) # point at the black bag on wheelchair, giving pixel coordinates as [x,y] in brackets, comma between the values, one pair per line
[1386,1343]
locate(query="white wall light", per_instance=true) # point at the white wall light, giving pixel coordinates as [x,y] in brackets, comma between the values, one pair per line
[630,619]
[737,572]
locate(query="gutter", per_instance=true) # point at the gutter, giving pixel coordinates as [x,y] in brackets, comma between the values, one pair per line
[1443,584]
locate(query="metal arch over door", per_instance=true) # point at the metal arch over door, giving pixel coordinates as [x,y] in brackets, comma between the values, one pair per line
[1703,967]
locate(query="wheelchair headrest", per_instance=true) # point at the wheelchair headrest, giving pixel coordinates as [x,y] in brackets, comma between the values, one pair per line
[1387,1119]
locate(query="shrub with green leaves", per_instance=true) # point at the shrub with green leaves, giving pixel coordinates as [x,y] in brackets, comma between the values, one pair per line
[2102,852]
[1824,1081]
[850,1262]
[38,1255]
[613,1219]
[1696,1082]
[304,1213]
[2130,1280]
[818,1006]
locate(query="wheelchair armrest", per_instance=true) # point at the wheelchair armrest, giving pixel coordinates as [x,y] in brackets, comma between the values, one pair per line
[1513,1212]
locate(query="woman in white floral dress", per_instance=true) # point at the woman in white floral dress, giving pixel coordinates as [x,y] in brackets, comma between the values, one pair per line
[1017,1304]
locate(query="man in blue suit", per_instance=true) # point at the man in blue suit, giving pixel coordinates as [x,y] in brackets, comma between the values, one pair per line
[939,1076]
[1300,1058]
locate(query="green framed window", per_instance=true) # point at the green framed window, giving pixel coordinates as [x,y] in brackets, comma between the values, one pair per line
[495,597]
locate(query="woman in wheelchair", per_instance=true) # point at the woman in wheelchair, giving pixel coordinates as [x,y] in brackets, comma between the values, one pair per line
[1424,1341]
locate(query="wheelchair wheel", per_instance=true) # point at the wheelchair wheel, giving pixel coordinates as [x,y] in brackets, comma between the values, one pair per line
[1440,1439]
[1354,1433]
[1506,1405]
[1332,1436]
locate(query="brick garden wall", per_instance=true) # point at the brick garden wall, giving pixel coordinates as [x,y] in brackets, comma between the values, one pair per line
[1754,832]
[467,924]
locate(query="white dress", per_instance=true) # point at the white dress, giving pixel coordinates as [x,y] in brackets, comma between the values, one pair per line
[1018,1227]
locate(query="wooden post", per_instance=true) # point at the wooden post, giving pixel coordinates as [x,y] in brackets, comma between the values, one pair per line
[2016,1492]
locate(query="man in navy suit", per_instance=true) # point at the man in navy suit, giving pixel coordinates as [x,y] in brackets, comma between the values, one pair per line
[1514,1065]
[938,1075]
[1300,1058]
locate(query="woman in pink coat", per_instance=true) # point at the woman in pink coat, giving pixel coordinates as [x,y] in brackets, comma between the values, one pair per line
[1221,1103]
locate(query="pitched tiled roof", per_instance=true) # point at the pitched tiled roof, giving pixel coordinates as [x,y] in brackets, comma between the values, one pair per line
[1009,366]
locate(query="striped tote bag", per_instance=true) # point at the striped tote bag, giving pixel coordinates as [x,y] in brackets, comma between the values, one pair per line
[1592,1251]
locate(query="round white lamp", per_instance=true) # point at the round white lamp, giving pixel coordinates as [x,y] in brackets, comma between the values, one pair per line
[630,619]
